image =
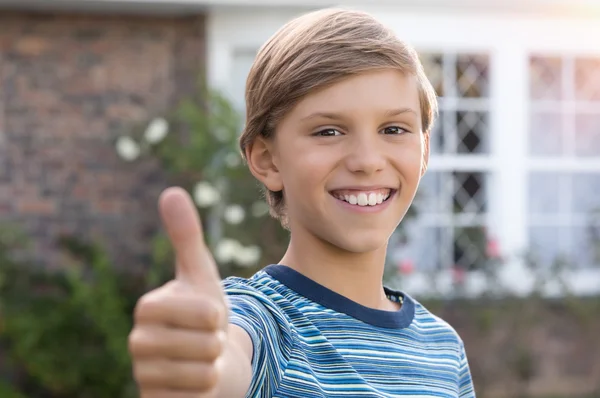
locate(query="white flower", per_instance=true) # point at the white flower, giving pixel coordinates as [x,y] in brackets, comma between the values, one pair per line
[226,250]
[205,195]
[260,208]
[232,160]
[156,131]
[234,214]
[127,148]
[247,256]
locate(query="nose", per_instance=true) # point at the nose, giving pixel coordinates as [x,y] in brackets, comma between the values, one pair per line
[366,154]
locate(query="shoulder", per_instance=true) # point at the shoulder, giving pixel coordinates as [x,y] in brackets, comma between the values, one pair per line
[256,306]
[434,328]
[261,287]
[258,299]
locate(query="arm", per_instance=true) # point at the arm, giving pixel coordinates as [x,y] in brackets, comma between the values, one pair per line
[465,381]
[259,331]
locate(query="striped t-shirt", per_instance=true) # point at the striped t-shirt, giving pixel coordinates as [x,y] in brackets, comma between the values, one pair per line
[312,342]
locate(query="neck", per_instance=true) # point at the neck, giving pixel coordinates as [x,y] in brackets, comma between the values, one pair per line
[356,276]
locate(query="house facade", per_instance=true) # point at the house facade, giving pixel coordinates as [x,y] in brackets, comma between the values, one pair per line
[515,153]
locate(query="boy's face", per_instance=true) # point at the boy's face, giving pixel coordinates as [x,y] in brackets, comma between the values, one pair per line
[349,159]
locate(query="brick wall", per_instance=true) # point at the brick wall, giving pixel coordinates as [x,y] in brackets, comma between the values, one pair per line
[68,85]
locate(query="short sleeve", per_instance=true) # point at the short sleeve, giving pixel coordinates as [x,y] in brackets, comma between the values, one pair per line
[254,312]
[465,381]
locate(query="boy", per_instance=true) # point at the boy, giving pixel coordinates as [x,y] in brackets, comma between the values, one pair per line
[338,119]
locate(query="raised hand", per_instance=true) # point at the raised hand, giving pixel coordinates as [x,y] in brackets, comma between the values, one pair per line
[180,330]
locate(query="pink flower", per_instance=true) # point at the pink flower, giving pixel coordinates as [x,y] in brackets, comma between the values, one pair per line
[406,267]
[492,249]
[458,274]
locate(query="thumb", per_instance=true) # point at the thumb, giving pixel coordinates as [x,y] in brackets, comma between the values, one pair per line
[194,262]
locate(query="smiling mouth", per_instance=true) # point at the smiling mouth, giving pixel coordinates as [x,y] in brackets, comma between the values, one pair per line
[364,198]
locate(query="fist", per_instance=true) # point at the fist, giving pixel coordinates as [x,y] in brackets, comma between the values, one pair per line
[180,329]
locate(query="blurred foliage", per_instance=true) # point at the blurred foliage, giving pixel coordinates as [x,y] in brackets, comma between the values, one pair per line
[64,332]
[199,152]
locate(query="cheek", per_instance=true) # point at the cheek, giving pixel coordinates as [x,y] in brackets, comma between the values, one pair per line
[408,162]
[304,170]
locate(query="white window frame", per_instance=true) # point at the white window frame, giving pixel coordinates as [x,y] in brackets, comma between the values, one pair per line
[509,39]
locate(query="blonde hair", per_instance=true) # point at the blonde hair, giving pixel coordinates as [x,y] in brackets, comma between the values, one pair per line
[314,51]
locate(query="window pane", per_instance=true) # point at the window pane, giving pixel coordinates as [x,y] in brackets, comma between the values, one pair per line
[443,241]
[575,246]
[471,130]
[436,139]
[543,193]
[545,78]
[587,134]
[469,248]
[546,134]
[452,193]
[585,245]
[568,205]
[472,76]
[586,194]
[587,79]
[443,247]
[430,246]
[469,192]
[546,245]
[434,194]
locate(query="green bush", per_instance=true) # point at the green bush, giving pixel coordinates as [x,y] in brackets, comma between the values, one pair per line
[65,331]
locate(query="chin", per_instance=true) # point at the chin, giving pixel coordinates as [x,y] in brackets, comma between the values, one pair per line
[361,242]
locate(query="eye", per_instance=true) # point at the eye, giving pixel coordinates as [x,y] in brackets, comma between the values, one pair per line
[327,133]
[394,130]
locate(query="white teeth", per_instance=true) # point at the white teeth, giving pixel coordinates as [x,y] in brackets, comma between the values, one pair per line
[362,199]
[372,199]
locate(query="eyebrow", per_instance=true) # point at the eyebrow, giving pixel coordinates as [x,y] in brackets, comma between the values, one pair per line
[337,116]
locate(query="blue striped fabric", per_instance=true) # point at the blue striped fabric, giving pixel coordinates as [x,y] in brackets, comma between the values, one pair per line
[311,342]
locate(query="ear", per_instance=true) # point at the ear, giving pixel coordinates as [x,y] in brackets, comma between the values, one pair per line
[262,162]
[425,149]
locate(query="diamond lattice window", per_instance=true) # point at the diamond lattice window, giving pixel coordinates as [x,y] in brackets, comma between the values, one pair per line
[452,202]
[449,230]
[461,82]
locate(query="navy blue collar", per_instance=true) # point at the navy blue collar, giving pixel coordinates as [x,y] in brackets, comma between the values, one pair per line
[329,299]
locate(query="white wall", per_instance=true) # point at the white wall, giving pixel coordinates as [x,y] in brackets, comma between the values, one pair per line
[233,33]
